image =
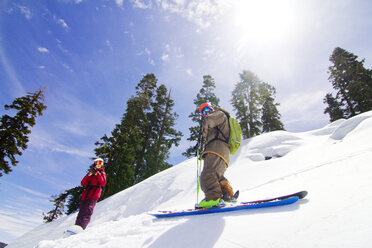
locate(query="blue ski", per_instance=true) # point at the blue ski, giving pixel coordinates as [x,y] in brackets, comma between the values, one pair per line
[277,201]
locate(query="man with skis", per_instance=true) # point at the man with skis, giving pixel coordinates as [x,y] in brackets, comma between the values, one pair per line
[93,183]
[216,155]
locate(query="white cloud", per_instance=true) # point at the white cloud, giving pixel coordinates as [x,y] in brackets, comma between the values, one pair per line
[209,52]
[149,59]
[197,11]
[42,140]
[67,67]
[22,212]
[171,52]
[43,50]
[141,4]
[63,23]
[189,72]
[108,43]
[165,57]
[131,36]
[302,110]
[15,84]
[119,2]
[175,6]
[167,47]
[14,226]
[30,191]
[25,11]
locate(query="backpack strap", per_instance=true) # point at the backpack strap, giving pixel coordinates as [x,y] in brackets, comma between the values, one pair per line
[226,139]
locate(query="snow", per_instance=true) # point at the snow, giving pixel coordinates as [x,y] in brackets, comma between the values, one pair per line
[333,164]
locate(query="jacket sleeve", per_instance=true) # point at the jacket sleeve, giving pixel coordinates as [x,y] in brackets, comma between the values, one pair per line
[101,177]
[84,182]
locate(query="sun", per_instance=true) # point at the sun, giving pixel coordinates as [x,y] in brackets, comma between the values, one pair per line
[263,21]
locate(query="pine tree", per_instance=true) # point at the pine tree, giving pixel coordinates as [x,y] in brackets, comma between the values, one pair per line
[254,103]
[353,85]
[143,138]
[163,135]
[334,108]
[57,211]
[206,94]
[72,196]
[246,102]
[14,130]
[270,115]
[145,123]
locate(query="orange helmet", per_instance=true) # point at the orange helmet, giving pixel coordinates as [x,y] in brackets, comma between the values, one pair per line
[205,108]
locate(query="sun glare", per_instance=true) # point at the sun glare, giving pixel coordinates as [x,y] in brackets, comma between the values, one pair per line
[263,21]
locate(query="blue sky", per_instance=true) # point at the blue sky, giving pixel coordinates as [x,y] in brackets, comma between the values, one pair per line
[90,55]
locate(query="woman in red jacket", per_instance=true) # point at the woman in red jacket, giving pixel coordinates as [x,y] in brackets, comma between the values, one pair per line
[93,183]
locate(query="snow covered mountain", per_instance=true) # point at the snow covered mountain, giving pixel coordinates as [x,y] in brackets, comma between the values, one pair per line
[333,164]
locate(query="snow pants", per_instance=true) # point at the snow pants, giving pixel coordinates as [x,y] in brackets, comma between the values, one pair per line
[85,212]
[213,172]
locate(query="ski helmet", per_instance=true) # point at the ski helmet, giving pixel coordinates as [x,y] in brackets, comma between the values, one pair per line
[98,161]
[205,108]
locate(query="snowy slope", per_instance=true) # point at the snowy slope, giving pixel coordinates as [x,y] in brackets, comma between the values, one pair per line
[333,164]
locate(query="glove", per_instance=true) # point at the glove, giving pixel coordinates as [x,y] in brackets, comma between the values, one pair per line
[92,172]
[196,146]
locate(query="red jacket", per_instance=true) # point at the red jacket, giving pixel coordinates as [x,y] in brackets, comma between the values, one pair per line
[93,182]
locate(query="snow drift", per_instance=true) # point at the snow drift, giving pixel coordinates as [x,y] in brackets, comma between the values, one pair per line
[333,164]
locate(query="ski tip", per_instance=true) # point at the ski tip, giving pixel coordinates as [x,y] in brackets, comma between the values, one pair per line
[68,233]
[302,194]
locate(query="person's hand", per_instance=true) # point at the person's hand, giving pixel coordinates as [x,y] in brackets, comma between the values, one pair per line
[196,146]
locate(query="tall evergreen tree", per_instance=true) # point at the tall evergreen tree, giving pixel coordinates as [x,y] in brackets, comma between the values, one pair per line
[57,211]
[163,135]
[353,85]
[14,130]
[206,94]
[143,138]
[254,103]
[246,102]
[270,115]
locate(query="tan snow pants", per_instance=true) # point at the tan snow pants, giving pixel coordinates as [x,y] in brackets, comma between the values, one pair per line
[213,172]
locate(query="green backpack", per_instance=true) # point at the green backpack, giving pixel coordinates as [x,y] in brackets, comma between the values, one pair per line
[235,138]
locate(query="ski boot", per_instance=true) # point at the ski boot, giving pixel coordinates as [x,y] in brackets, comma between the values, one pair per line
[213,203]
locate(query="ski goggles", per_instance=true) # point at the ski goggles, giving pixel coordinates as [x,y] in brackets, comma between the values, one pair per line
[206,110]
[99,162]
